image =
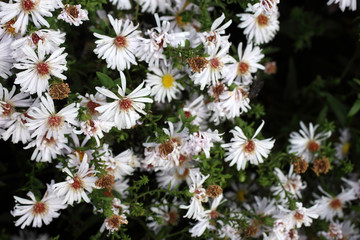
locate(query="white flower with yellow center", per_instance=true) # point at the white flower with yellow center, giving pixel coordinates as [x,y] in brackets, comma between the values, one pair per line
[260,28]
[343,147]
[163,82]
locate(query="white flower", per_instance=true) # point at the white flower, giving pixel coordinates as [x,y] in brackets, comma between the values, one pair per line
[37,71]
[341,230]
[354,185]
[240,72]
[203,141]
[199,195]
[163,82]
[351,4]
[91,101]
[17,129]
[342,148]
[124,110]
[241,149]
[214,69]
[305,143]
[234,103]
[118,51]
[151,50]
[151,5]
[119,166]
[300,216]
[214,37]
[329,207]
[166,212]
[291,183]
[35,211]
[45,121]
[121,4]
[75,185]
[50,40]
[7,31]
[73,14]
[6,60]
[196,107]
[259,28]
[21,10]
[267,7]
[95,128]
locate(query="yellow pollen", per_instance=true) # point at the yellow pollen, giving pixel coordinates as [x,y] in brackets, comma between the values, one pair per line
[345,148]
[168,81]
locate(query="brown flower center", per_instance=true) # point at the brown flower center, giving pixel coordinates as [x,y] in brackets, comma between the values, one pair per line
[262,20]
[7,109]
[120,41]
[125,104]
[106,181]
[77,184]
[54,121]
[27,5]
[39,208]
[335,203]
[35,38]
[215,63]
[249,146]
[214,191]
[43,68]
[91,106]
[73,11]
[243,68]
[313,146]
[197,63]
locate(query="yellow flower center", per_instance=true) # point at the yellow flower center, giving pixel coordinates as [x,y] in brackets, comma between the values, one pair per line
[168,81]
[345,148]
[240,195]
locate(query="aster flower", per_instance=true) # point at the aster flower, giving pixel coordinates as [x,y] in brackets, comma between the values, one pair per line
[341,230]
[95,128]
[45,121]
[163,82]
[121,4]
[7,31]
[37,71]
[37,212]
[73,14]
[300,216]
[124,110]
[305,143]
[241,72]
[199,195]
[259,28]
[267,7]
[241,149]
[91,101]
[291,183]
[73,189]
[166,212]
[234,103]
[329,206]
[49,39]
[161,36]
[215,36]
[354,185]
[342,147]
[119,166]
[21,9]
[176,174]
[6,60]
[151,5]
[196,107]
[214,69]
[351,4]
[16,129]
[203,141]
[118,51]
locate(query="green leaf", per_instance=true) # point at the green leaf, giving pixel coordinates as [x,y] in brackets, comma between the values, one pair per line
[105,80]
[355,108]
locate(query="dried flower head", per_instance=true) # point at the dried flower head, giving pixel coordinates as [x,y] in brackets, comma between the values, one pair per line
[59,91]
[106,181]
[300,165]
[270,68]
[321,165]
[197,63]
[214,191]
[113,223]
[251,231]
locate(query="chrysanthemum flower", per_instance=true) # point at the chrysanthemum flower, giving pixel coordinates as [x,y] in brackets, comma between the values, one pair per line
[342,148]
[124,110]
[300,216]
[196,107]
[241,149]
[234,103]
[163,82]
[118,51]
[73,189]
[119,166]
[21,9]
[37,71]
[305,143]
[259,28]
[240,72]
[7,31]
[166,212]
[36,211]
[73,14]
[45,121]
[151,5]
[215,35]
[351,4]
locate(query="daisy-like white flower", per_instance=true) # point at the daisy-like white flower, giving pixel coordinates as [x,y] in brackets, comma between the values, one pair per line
[6,60]
[7,31]
[306,143]
[291,183]
[121,4]
[95,128]
[267,7]
[21,9]
[329,206]
[204,219]
[37,71]
[17,129]
[241,72]
[300,216]
[37,212]
[50,40]
[45,121]
[341,230]
[215,35]
[234,103]
[73,189]
[124,110]
[354,185]
[214,69]
[241,149]
[203,141]
[342,148]
[343,4]
[176,174]
[151,5]
[166,212]
[196,107]
[163,82]
[73,14]
[259,28]
[119,166]
[118,51]
[91,101]
[161,36]
[199,195]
